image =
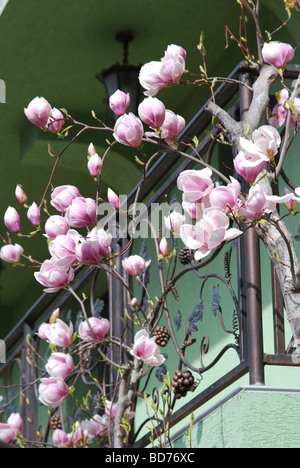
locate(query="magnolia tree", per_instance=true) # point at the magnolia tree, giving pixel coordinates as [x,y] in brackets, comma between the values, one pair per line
[213,214]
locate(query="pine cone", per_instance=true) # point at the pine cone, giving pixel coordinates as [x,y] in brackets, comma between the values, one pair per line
[186,256]
[183,382]
[55,422]
[162,336]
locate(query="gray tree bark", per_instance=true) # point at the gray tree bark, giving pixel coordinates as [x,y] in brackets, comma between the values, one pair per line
[274,234]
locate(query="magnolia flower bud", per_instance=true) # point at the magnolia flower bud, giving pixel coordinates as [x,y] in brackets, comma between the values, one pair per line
[21,195]
[93,330]
[134,265]
[113,199]
[38,111]
[59,334]
[62,196]
[82,212]
[164,247]
[34,214]
[91,149]
[278,54]
[55,121]
[12,219]
[60,365]
[11,253]
[152,112]
[119,102]
[95,165]
[56,225]
[53,391]
[129,130]
[7,434]
[16,422]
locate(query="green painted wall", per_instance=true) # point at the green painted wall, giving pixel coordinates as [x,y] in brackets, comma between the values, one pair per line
[250,418]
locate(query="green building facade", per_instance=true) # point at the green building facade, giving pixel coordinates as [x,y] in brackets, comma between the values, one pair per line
[246,394]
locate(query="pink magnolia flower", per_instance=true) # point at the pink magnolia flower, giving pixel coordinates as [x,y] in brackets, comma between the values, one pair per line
[267,140]
[88,252]
[193,210]
[164,247]
[43,329]
[21,195]
[16,422]
[60,365]
[62,249]
[56,121]
[7,434]
[60,439]
[54,316]
[52,277]
[59,333]
[82,212]
[209,233]
[96,426]
[173,64]
[95,165]
[196,185]
[288,198]
[255,205]
[150,78]
[56,225]
[171,127]
[173,222]
[34,214]
[175,50]
[224,198]
[281,110]
[278,54]
[152,112]
[156,75]
[77,436]
[265,144]
[11,253]
[93,330]
[38,111]
[113,199]
[248,166]
[103,238]
[134,265]
[62,197]
[119,102]
[129,130]
[290,204]
[278,116]
[111,410]
[91,149]
[146,349]
[134,302]
[53,391]
[12,220]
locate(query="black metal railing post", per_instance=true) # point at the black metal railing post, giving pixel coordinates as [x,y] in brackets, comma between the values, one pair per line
[250,251]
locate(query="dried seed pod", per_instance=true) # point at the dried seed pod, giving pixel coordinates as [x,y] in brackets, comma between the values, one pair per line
[186,256]
[183,382]
[55,422]
[162,336]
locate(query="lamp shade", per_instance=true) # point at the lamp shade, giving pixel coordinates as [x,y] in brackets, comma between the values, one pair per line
[126,79]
